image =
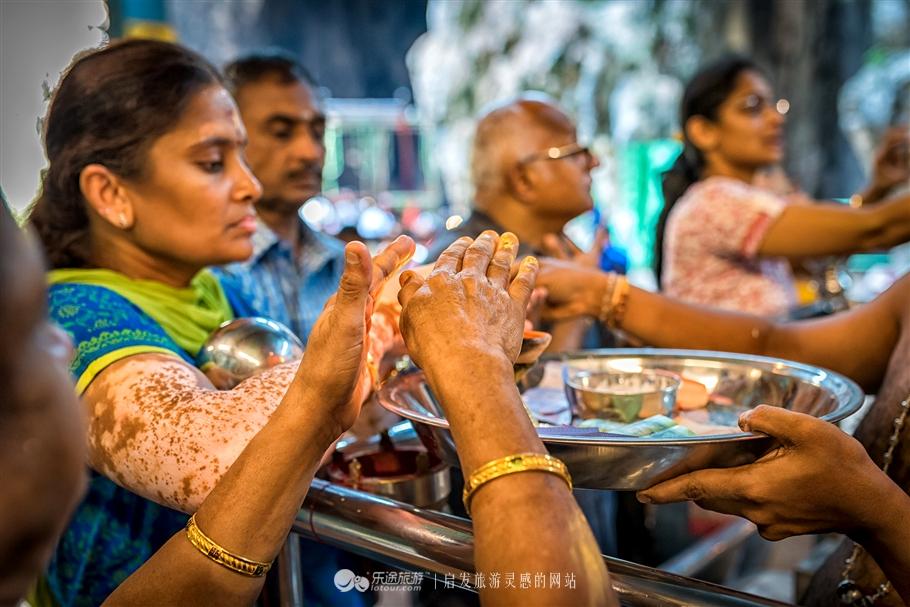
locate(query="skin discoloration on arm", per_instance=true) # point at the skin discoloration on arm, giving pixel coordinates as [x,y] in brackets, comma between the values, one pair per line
[159,428]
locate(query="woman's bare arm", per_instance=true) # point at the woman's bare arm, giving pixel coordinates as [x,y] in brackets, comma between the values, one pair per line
[249,512]
[159,428]
[857,343]
[831,229]
[251,509]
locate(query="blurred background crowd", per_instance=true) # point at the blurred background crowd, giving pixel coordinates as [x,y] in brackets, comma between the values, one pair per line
[404,81]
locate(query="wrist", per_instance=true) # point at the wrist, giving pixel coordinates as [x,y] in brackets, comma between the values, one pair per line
[460,367]
[883,512]
[600,288]
[309,413]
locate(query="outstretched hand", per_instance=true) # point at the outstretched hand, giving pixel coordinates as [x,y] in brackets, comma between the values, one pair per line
[558,246]
[468,303]
[891,166]
[334,364]
[817,480]
[573,290]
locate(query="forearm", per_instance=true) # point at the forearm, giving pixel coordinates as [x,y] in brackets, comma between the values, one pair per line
[527,522]
[164,435]
[832,229]
[887,537]
[666,322]
[249,512]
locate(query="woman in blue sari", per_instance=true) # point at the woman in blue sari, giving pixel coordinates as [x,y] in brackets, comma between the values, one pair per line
[146,186]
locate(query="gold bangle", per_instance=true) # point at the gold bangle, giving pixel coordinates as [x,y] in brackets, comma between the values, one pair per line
[511,464]
[606,302]
[618,302]
[220,555]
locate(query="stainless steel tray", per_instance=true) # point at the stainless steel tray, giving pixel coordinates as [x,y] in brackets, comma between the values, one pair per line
[611,462]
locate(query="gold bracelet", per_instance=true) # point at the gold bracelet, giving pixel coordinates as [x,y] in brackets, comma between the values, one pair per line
[606,302]
[220,555]
[511,464]
[618,302]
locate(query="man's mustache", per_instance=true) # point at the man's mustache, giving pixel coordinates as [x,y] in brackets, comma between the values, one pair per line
[308,170]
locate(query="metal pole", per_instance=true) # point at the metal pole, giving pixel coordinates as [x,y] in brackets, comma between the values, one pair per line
[290,573]
[411,538]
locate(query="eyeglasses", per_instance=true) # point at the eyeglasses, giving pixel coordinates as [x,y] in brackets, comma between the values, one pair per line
[756,104]
[557,153]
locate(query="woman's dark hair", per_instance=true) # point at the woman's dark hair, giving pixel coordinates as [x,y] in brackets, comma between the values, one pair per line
[704,94]
[108,109]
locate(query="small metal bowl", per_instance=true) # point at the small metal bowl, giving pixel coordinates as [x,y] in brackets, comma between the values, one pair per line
[241,348]
[407,473]
[619,396]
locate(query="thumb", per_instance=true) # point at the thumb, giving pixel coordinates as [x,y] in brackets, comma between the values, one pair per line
[787,426]
[355,282]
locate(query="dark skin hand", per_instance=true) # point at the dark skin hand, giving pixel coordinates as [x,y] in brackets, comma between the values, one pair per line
[859,343]
[819,480]
[526,522]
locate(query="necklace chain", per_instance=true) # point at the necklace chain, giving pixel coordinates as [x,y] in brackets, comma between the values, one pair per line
[848,591]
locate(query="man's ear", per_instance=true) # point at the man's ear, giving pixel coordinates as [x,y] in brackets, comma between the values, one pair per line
[521,182]
[107,195]
[704,134]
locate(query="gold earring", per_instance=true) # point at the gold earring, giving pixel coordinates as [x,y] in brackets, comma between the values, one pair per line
[122,220]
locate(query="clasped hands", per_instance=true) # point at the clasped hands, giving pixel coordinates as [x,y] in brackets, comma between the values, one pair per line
[473,303]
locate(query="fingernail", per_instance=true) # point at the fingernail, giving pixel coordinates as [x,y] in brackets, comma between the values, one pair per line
[507,240]
[643,498]
[530,260]
[352,258]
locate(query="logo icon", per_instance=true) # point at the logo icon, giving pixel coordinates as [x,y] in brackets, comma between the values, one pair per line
[346,580]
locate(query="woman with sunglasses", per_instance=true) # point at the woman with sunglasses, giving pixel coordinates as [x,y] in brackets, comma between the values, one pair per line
[724,241]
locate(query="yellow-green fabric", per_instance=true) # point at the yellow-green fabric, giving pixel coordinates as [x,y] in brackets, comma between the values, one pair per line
[188,315]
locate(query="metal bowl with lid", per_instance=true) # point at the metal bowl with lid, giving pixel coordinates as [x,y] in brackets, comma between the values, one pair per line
[605,461]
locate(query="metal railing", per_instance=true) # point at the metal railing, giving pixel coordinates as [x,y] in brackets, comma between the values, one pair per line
[416,539]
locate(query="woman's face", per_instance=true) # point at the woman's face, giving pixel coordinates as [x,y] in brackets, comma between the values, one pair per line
[42,436]
[194,204]
[748,131]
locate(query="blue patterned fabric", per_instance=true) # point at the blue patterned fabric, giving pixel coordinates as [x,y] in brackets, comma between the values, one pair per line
[272,283]
[113,531]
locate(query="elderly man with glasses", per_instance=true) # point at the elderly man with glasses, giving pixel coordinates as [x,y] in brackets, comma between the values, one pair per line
[529,173]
